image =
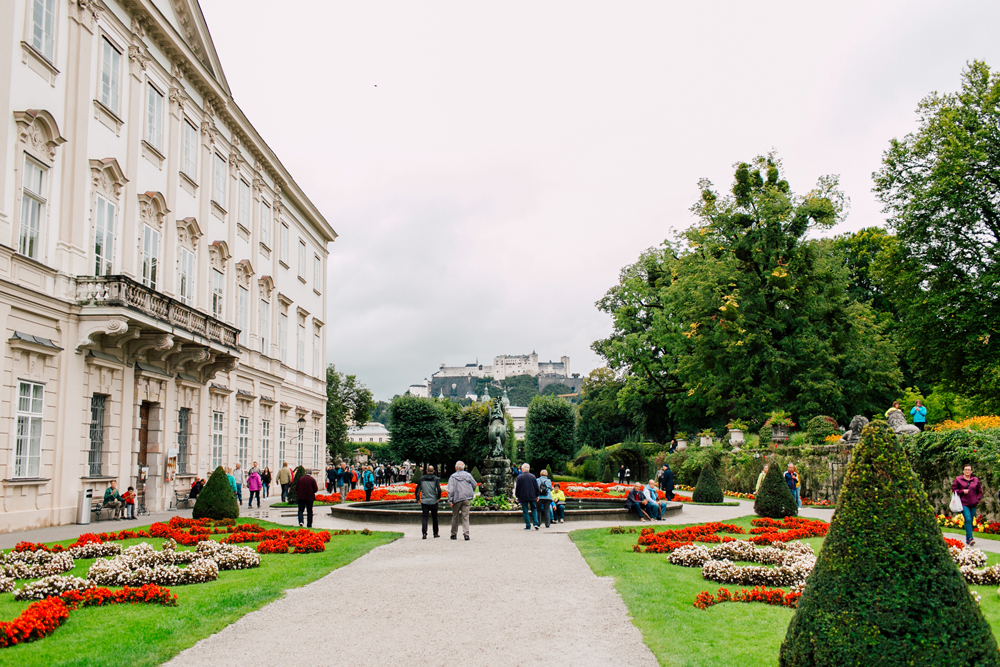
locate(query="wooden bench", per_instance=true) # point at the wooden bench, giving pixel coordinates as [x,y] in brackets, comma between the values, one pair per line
[96,507]
[181,498]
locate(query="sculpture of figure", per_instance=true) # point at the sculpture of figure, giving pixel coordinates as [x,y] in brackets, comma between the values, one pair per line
[505,400]
[853,434]
[498,429]
[898,423]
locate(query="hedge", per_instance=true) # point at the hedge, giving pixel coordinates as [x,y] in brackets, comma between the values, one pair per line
[775,499]
[216,500]
[707,490]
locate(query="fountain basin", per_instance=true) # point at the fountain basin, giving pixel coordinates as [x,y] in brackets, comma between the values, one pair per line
[408,511]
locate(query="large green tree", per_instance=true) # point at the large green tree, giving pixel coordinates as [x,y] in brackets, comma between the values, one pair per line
[348,404]
[472,430]
[747,314]
[422,430]
[549,431]
[602,421]
[939,186]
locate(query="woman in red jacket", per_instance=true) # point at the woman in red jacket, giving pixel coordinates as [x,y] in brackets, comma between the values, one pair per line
[970,491]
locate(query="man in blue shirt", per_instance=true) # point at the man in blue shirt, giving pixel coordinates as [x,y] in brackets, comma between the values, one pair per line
[653,504]
[919,413]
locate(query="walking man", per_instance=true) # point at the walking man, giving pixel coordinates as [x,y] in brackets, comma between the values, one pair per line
[305,494]
[238,476]
[461,489]
[343,481]
[284,479]
[428,493]
[526,492]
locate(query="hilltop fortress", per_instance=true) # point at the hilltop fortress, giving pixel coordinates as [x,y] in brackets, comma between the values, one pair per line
[460,381]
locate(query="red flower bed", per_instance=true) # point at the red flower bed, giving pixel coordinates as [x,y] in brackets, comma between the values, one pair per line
[30,546]
[42,618]
[958,544]
[307,544]
[772,596]
[38,620]
[275,546]
[790,528]
[668,540]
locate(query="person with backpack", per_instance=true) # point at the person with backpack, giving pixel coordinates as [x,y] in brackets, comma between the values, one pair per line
[461,490]
[428,493]
[526,493]
[368,481]
[545,498]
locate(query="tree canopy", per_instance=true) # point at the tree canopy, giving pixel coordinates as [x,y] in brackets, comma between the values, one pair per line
[348,404]
[939,187]
[745,314]
[549,431]
[422,430]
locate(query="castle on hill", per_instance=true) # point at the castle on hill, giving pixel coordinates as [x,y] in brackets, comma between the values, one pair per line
[461,381]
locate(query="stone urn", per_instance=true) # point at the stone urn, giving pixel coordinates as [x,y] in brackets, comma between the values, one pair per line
[681,444]
[736,437]
[779,433]
[706,440]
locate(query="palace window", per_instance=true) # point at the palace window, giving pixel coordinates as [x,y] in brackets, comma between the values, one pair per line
[185,276]
[43,27]
[154,117]
[265,442]
[265,327]
[282,434]
[219,181]
[218,421]
[32,208]
[265,223]
[317,273]
[283,338]
[283,251]
[317,354]
[190,149]
[302,348]
[97,407]
[244,442]
[302,260]
[150,255]
[104,237]
[183,435]
[28,447]
[243,319]
[301,445]
[316,449]
[244,218]
[111,63]
[218,305]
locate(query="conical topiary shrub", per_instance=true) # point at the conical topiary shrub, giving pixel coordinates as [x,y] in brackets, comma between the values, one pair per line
[292,493]
[418,472]
[707,490]
[216,500]
[606,477]
[885,590]
[775,499]
[476,475]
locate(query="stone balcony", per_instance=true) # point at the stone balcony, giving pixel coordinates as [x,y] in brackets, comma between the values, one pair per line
[135,323]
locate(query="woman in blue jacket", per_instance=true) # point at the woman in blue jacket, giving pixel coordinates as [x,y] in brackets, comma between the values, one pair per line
[919,414]
[368,482]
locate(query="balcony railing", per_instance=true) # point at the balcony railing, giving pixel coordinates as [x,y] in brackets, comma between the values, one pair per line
[125,292]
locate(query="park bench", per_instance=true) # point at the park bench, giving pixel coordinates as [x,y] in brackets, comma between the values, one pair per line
[96,507]
[180,497]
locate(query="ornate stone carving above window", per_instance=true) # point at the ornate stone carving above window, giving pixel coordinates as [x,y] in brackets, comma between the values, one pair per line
[218,255]
[38,131]
[188,233]
[152,209]
[244,271]
[109,179]
[266,285]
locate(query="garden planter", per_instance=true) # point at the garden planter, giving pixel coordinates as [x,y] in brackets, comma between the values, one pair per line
[779,433]
[706,441]
[681,444]
[736,437]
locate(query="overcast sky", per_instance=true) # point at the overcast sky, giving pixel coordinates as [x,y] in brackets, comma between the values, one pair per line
[491,166]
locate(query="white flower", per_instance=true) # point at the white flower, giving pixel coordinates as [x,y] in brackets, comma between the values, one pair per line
[50,587]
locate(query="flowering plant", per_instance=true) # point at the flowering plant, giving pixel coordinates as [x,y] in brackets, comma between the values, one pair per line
[780,418]
[706,433]
[737,425]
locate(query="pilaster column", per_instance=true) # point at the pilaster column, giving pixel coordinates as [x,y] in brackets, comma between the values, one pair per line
[138,58]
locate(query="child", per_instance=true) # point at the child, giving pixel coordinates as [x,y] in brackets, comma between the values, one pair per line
[129,498]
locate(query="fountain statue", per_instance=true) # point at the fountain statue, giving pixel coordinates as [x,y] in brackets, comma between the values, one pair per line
[496,468]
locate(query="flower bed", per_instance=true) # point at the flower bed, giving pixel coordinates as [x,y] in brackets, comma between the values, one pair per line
[772,596]
[979,525]
[394,492]
[42,618]
[668,540]
[33,564]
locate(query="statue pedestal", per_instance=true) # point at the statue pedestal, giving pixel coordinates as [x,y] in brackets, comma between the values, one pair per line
[496,478]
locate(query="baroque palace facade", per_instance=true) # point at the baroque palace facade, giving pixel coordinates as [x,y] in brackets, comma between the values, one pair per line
[162,276]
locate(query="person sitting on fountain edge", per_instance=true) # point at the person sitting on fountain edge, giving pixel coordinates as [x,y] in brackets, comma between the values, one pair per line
[635,500]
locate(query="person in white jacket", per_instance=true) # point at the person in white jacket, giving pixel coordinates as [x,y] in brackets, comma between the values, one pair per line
[461,488]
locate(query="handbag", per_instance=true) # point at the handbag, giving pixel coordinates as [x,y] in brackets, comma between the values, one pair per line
[956,502]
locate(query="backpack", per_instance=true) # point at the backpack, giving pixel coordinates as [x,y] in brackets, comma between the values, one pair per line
[369,483]
[354,477]
[543,486]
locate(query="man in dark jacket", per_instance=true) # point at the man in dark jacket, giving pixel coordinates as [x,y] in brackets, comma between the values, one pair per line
[526,492]
[331,478]
[428,493]
[667,481]
[305,494]
[635,500]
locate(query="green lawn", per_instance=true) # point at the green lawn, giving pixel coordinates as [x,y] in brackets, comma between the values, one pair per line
[143,634]
[660,600]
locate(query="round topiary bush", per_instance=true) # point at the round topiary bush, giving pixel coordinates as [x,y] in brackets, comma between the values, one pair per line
[775,499]
[292,493]
[707,490]
[216,500]
[819,427]
[885,590]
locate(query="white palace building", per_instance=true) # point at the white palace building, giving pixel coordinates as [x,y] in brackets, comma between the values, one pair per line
[161,274]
